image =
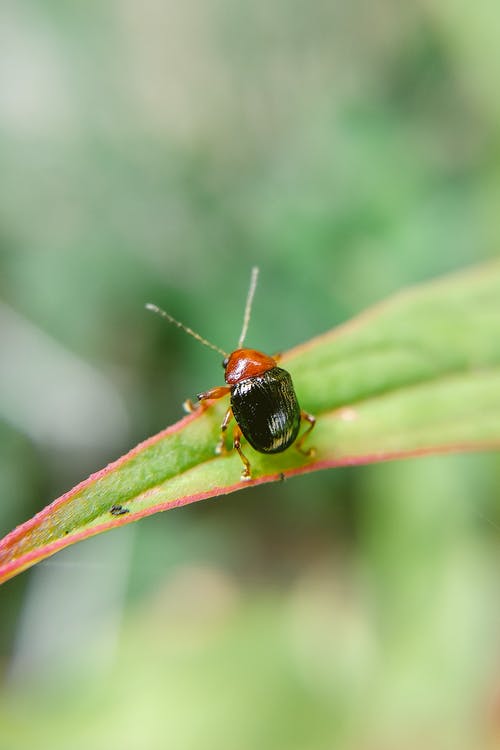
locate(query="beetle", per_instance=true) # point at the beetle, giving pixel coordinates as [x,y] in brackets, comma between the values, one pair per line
[262,396]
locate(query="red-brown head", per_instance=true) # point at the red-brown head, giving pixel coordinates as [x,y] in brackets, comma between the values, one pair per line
[246,363]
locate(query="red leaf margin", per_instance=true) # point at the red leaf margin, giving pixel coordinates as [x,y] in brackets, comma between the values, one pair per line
[10,565]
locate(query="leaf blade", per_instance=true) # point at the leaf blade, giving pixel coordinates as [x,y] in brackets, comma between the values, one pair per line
[417,374]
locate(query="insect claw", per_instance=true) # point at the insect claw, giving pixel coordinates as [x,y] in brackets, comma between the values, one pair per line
[220,448]
[309,452]
[189,407]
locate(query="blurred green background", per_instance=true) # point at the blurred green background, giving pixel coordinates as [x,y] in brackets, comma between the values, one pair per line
[155,151]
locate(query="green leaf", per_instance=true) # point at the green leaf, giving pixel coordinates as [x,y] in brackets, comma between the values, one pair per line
[417,374]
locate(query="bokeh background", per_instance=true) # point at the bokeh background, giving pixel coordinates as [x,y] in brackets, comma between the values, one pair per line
[155,151]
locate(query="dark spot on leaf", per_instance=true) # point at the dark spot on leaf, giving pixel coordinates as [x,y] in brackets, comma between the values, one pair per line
[118,510]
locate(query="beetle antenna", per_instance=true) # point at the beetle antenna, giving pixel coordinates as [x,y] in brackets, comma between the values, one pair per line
[177,323]
[248,306]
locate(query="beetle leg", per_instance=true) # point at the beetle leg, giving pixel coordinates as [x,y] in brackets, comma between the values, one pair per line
[221,445]
[188,406]
[218,392]
[245,474]
[312,421]
[214,393]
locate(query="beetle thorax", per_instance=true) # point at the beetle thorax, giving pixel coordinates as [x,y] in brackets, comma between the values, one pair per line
[247,363]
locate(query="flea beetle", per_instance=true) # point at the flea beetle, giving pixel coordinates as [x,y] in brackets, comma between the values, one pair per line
[263,400]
